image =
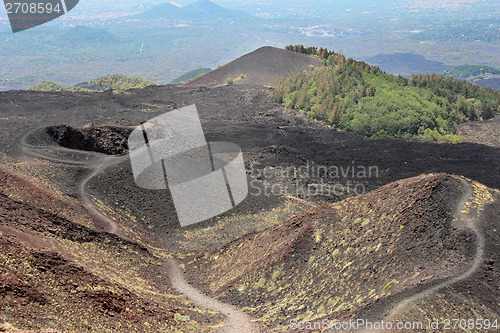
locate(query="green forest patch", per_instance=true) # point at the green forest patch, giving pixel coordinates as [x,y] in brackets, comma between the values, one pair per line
[356,97]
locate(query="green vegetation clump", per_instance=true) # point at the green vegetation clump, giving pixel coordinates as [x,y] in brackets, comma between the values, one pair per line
[114,81]
[389,285]
[229,81]
[356,97]
[48,86]
[322,53]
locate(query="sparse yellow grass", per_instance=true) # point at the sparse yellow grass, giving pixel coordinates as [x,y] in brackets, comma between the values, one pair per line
[347,270]
[236,226]
[122,266]
[481,196]
[40,174]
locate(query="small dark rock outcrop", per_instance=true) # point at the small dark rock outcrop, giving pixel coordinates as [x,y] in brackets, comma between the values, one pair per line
[110,140]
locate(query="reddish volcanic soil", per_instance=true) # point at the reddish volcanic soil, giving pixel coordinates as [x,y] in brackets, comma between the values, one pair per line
[39,128]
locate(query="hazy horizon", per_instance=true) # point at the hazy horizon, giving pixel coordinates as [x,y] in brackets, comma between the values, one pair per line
[114,40]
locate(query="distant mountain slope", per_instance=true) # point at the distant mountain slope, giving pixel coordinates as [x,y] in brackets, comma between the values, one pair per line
[483,76]
[190,75]
[261,67]
[200,10]
[114,81]
[466,71]
[406,64]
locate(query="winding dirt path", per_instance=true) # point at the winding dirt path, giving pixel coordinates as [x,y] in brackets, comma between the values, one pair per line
[97,164]
[98,167]
[462,220]
[236,321]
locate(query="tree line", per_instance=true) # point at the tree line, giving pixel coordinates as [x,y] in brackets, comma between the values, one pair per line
[355,96]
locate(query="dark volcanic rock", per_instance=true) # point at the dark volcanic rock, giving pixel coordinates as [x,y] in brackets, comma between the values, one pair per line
[109,140]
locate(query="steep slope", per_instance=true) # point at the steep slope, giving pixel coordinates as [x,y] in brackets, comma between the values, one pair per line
[60,275]
[262,67]
[333,262]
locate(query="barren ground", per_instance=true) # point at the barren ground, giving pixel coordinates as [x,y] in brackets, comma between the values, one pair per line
[83,187]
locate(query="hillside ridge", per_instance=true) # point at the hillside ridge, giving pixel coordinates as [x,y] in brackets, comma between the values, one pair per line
[356,253]
[262,67]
